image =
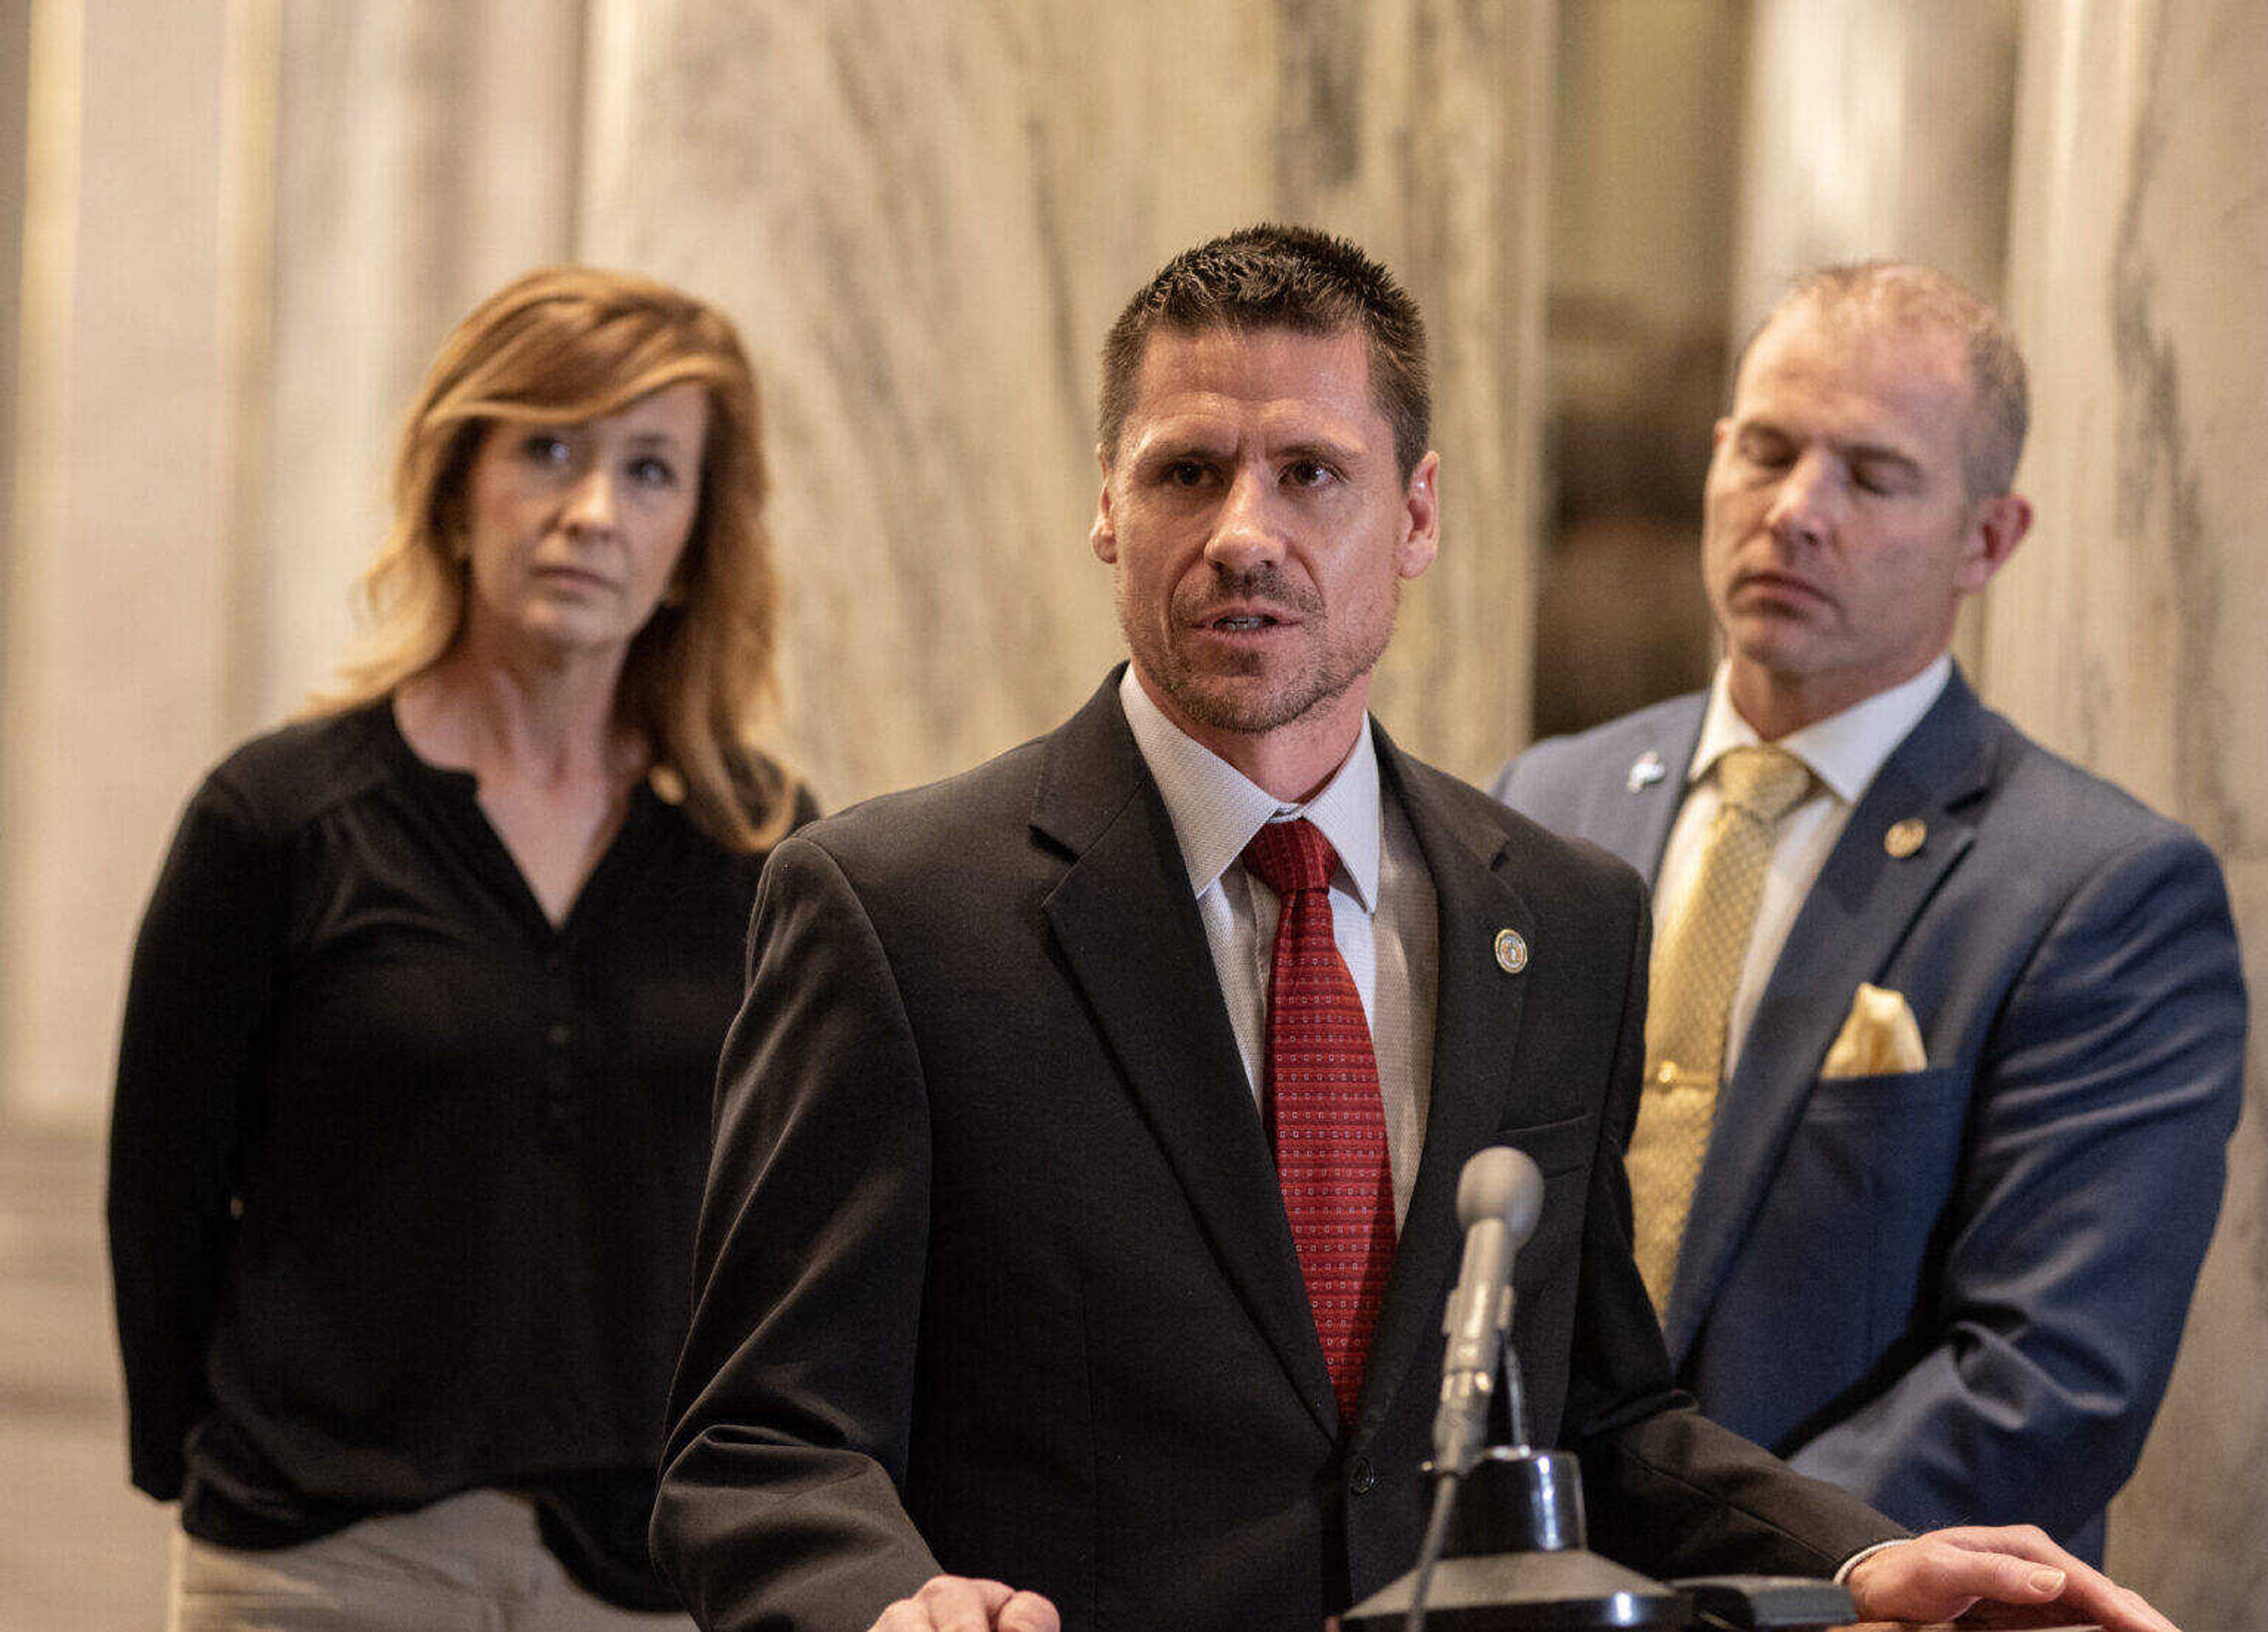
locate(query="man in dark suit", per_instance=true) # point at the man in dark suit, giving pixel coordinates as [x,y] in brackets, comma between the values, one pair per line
[1083,1201]
[1981,1037]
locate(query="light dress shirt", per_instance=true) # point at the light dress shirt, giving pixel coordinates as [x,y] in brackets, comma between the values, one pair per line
[1382,909]
[1845,751]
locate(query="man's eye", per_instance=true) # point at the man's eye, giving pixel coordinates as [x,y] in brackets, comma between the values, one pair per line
[1764,454]
[1308,473]
[1182,473]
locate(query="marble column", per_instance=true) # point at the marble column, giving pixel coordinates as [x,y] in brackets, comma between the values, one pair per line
[424,153]
[245,229]
[1646,159]
[925,219]
[115,569]
[15,89]
[2125,634]
[1876,129]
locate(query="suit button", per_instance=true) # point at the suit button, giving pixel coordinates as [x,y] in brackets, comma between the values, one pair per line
[1362,1478]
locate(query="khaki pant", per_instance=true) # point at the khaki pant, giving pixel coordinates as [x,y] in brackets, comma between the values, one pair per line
[473,1563]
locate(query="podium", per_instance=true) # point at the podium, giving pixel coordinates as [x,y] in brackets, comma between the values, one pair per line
[1505,1550]
[1513,1558]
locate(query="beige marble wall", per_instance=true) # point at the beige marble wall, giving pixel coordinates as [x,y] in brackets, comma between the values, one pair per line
[2126,632]
[1875,127]
[424,153]
[1645,180]
[1648,124]
[925,218]
[15,86]
[114,570]
[257,221]
[246,227]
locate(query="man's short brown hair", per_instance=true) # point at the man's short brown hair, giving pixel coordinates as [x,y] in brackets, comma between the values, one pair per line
[1903,292]
[1276,277]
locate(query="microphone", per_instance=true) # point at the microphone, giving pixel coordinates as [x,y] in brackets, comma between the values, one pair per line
[1500,1198]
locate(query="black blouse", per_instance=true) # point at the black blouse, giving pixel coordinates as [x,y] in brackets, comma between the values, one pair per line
[403,1179]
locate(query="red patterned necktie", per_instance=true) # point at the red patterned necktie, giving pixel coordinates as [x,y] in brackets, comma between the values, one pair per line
[1324,1118]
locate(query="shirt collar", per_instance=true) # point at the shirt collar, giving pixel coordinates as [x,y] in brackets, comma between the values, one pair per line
[1216,809]
[1843,750]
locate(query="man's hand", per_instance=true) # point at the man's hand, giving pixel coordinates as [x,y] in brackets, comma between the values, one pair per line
[954,1604]
[2013,1576]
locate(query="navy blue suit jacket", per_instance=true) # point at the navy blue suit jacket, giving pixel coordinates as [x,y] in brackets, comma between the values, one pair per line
[1956,1292]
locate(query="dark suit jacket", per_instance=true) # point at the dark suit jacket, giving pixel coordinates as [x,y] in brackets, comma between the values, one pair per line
[1958,1291]
[993,1275]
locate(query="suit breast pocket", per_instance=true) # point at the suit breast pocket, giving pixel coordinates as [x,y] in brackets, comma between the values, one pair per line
[1556,1148]
[1899,1094]
[1851,1211]
[1562,1152]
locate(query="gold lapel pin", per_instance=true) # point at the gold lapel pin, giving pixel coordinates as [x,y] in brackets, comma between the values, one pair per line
[1905,837]
[1511,952]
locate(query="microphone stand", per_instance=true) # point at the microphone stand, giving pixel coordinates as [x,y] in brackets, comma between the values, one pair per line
[1506,1551]
[1510,1545]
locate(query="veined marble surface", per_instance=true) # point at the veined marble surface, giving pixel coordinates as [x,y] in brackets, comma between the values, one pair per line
[924,220]
[116,571]
[1883,127]
[2126,633]
[424,155]
[252,229]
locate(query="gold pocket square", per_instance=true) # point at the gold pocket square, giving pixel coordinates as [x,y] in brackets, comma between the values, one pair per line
[1879,1037]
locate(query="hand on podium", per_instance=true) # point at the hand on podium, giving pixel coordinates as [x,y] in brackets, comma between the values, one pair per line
[956,1604]
[2009,1577]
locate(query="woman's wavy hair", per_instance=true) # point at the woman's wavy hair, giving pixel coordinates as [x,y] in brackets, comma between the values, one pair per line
[576,343]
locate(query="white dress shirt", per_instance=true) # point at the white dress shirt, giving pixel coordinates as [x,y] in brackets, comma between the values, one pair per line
[1382,909]
[1845,751]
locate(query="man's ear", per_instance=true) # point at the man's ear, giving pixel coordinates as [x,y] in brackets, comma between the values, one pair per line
[1998,525]
[1102,537]
[1421,539]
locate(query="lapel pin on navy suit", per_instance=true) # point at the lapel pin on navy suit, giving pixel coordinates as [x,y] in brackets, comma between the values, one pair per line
[1905,837]
[1511,952]
[1644,771]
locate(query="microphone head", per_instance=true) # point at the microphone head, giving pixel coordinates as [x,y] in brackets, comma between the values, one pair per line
[1500,1182]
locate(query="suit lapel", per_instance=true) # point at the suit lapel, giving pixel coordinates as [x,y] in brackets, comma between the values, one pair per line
[1478,1011]
[1850,926]
[1636,815]
[1130,934]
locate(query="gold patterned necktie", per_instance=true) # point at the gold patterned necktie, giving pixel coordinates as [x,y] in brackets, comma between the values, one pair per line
[1696,968]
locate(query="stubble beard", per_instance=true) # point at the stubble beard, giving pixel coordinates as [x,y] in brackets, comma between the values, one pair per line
[1247,699]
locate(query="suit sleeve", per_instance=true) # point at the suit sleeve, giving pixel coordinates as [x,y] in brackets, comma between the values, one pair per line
[1528,780]
[779,1503]
[2109,1086]
[199,1002]
[1670,1492]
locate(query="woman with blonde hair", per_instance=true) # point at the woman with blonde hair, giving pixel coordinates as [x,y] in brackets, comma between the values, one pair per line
[414,1085]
